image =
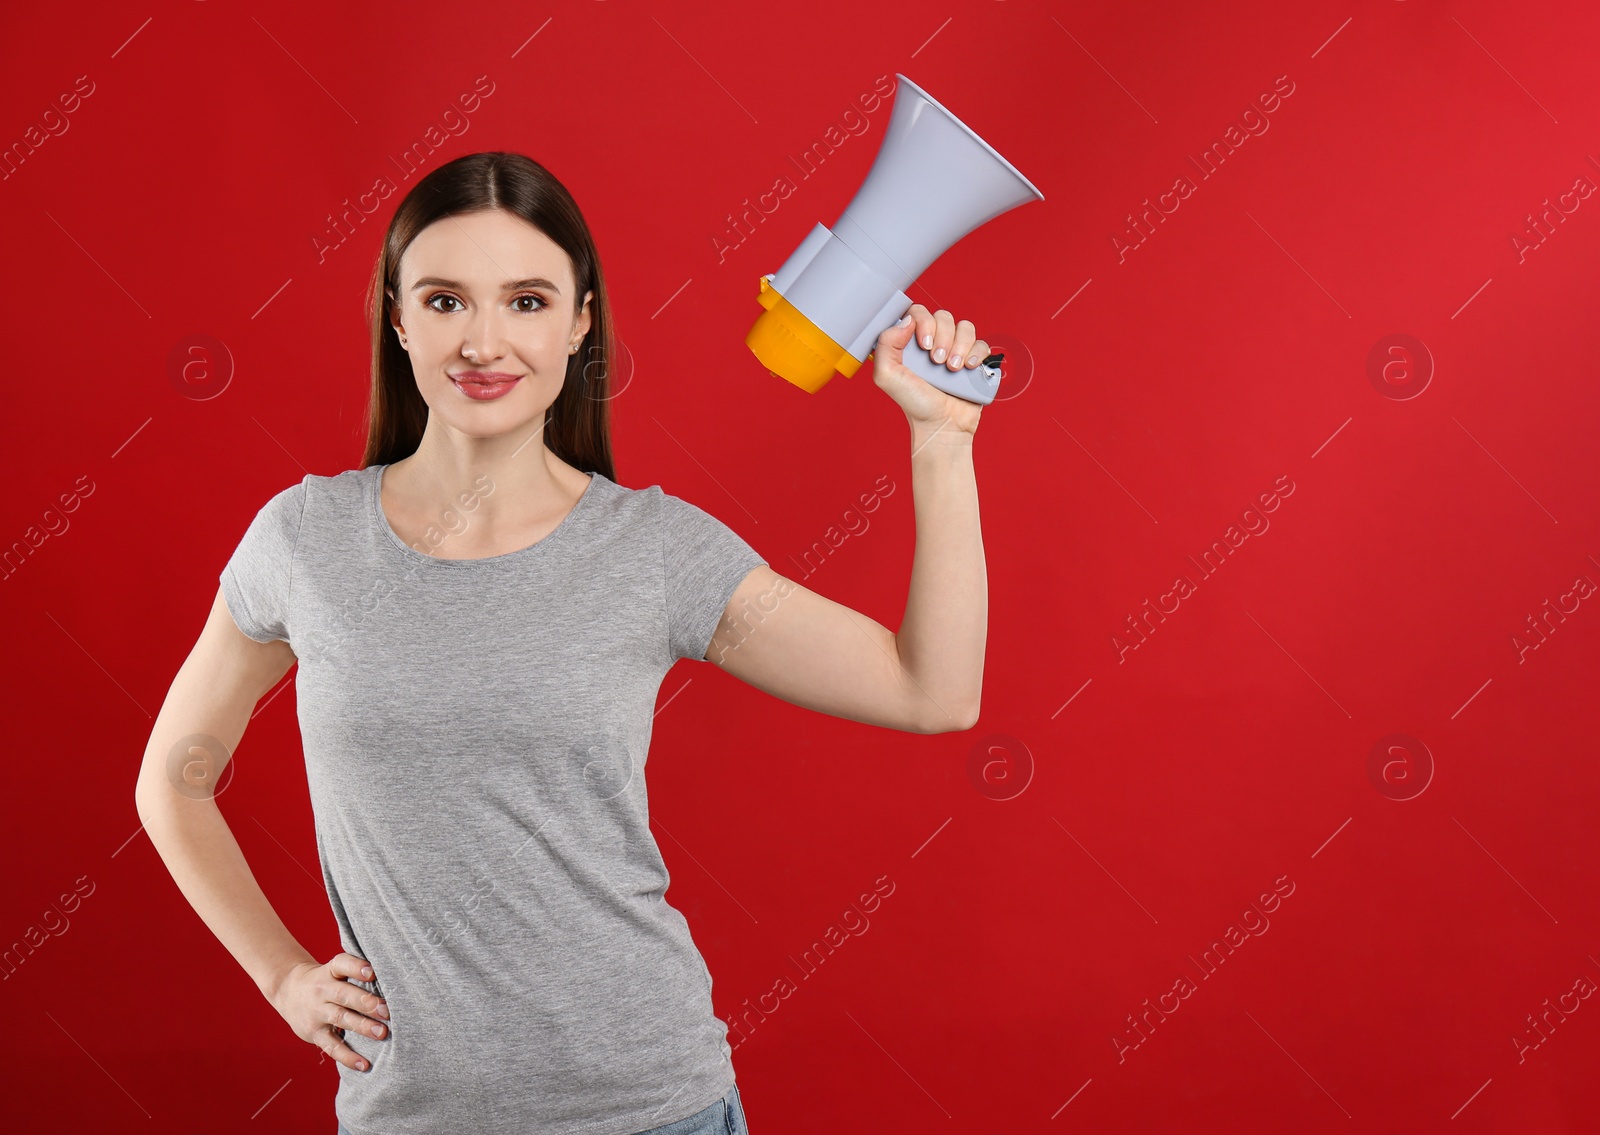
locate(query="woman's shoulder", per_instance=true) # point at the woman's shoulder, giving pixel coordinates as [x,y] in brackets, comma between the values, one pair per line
[652,509]
[347,485]
[608,498]
[677,522]
[312,482]
[653,501]
[316,494]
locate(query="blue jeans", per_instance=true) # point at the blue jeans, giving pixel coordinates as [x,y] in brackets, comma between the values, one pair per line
[725,1117]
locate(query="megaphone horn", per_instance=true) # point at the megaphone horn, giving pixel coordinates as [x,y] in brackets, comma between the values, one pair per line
[933,181]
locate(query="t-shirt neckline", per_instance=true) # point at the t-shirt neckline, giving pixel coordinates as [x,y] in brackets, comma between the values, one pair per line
[376,496]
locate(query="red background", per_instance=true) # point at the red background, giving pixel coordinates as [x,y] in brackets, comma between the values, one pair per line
[1164,789]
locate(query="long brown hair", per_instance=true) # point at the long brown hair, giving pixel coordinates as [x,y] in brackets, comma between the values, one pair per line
[578,424]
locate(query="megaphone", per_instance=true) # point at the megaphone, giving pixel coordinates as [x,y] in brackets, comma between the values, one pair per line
[933,181]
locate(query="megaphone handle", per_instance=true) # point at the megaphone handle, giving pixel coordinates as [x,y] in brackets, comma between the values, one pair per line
[977,384]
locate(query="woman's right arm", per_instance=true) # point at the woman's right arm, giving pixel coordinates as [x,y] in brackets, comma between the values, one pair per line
[212,696]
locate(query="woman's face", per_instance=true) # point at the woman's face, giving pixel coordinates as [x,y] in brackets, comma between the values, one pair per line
[487,314]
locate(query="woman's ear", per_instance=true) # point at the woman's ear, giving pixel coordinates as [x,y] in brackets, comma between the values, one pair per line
[391,310]
[394,321]
[584,317]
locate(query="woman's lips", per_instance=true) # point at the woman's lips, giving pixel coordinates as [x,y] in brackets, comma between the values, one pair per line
[485,387]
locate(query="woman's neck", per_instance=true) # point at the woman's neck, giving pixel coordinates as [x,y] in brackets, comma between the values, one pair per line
[488,500]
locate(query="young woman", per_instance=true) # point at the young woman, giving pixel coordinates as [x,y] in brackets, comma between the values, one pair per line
[482,617]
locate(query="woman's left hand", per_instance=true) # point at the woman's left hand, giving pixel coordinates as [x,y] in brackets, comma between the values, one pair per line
[926,406]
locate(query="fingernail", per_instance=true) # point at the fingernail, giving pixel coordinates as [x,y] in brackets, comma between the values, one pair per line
[927,342]
[366,971]
[955,362]
[938,356]
[904,319]
[377,1030]
[383,1011]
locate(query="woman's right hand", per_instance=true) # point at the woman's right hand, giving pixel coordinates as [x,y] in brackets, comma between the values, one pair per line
[320,1004]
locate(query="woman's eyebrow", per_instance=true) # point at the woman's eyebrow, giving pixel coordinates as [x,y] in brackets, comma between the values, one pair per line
[509,285]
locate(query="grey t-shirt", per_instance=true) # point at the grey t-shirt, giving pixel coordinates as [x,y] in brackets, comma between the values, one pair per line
[475,734]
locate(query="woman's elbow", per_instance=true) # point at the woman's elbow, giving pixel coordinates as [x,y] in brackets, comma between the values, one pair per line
[952,721]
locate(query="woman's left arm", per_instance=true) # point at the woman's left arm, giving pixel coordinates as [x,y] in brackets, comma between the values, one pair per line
[806,649]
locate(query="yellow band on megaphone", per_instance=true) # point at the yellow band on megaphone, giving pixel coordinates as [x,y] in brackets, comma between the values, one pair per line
[792,347]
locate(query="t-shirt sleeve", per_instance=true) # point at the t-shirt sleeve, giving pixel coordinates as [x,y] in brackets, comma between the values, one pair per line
[703,560]
[257,577]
